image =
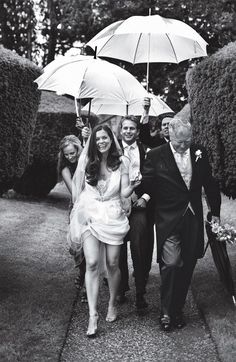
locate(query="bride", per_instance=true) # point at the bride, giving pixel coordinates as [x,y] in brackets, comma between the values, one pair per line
[98,220]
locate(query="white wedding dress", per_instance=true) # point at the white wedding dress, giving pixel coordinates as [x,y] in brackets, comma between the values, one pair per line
[100,211]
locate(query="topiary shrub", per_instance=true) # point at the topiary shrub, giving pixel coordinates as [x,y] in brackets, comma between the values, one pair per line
[211,88]
[185,113]
[19,100]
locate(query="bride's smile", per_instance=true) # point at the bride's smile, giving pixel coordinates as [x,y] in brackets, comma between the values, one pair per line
[103,141]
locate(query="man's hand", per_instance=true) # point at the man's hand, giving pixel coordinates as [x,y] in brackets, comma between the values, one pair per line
[146,104]
[140,203]
[154,133]
[79,124]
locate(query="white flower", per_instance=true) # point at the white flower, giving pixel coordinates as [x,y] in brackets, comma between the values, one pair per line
[198,155]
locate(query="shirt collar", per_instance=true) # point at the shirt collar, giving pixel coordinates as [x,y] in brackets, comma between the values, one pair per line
[126,146]
[187,152]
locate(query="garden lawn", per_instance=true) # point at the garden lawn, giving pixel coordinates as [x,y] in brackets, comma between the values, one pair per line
[36,279]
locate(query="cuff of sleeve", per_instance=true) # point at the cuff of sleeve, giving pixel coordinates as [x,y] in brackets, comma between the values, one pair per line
[146,197]
[144,119]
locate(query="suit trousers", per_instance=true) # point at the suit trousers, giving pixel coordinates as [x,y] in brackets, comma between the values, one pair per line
[178,260]
[137,236]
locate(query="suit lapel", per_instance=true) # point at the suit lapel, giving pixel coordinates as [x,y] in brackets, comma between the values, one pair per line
[194,165]
[141,154]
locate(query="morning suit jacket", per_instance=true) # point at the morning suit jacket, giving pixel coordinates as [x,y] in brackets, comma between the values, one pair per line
[163,181]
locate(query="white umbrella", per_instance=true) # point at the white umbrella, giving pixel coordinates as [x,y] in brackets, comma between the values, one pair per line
[86,77]
[144,39]
[135,108]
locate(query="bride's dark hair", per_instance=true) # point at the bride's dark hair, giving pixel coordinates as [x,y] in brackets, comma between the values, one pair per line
[95,157]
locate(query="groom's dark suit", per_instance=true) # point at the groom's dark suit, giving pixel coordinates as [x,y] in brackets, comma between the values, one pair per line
[138,237]
[175,220]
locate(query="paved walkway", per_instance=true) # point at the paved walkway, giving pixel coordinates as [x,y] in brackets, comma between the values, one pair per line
[135,338]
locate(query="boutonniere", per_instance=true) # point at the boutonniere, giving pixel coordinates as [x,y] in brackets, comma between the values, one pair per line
[198,155]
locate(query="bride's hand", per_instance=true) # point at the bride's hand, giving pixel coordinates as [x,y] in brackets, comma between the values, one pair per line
[135,182]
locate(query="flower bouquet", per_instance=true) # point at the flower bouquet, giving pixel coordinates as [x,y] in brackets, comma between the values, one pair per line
[223,232]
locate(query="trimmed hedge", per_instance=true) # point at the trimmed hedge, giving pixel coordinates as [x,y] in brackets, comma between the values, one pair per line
[211,88]
[184,113]
[19,100]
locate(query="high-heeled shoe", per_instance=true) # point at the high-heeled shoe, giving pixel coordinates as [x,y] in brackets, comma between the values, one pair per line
[111,314]
[92,326]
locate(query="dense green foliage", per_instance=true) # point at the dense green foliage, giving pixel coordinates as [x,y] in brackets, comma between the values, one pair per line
[17,26]
[19,101]
[212,97]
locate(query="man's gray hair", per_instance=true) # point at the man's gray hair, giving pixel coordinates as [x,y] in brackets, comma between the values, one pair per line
[177,126]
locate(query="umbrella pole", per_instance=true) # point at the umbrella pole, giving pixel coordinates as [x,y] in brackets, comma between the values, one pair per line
[149,37]
[127,109]
[234,301]
[76,108]
[89,110]
[147,76]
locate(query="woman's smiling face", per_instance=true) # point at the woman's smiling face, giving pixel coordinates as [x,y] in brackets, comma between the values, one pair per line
[103,141]
[70,153]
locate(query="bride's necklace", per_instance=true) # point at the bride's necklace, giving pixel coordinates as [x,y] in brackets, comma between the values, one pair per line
[104,176]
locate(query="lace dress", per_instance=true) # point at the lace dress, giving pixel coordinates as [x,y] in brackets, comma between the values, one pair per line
[99,211]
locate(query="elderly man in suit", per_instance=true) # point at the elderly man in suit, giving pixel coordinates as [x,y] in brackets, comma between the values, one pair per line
[175,173]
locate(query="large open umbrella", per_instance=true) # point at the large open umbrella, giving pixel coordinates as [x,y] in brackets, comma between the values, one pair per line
[221,259]
[86,77]
[144,39]
[135,108]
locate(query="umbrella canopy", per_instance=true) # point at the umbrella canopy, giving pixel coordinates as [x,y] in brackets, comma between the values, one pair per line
[145,39]
[86,77]
[142,39]
[221,259]
[135,108]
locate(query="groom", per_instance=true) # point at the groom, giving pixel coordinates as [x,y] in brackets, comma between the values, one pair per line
[175,174]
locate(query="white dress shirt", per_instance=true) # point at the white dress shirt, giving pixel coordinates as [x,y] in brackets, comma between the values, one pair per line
[132,152]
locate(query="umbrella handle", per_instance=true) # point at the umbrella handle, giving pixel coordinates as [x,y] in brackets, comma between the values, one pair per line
[78,110]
